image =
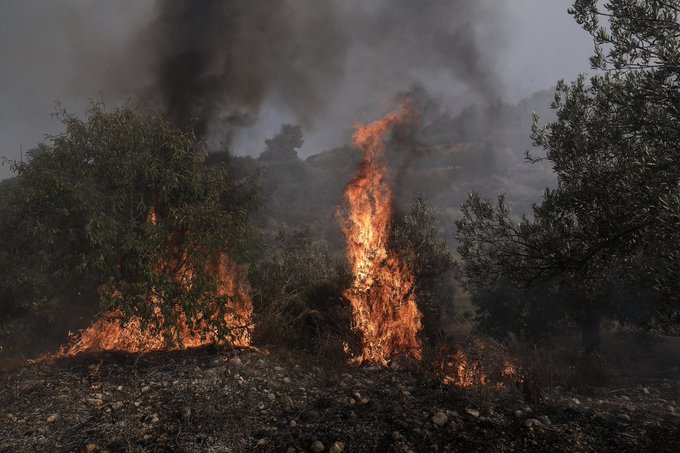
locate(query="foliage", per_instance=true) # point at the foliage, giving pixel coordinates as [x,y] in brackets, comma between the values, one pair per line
[123,205]
[429,259]
[612,218]
[297,287]
[283,146]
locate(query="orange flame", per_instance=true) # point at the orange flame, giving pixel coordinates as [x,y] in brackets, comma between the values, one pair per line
[485,367]
[109,333]
[381,296]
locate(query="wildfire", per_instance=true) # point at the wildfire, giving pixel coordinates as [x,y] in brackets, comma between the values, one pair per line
[485,364]
[381,296]
[110,333]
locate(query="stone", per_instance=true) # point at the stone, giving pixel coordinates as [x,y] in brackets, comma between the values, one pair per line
[262,442]
[518,413]
[473,412]
[545,420]
[317,446]
[439,419]
[96,402]
[337,447]
[145,389]
[53,418]
[532,423]
[293,423]
[623,417]
[235,361]
[117,405]
[91,448]
[271,396]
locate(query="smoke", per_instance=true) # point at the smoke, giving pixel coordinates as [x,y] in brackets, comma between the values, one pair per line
[217,62]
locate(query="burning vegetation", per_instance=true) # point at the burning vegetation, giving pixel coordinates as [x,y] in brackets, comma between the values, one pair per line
[115,334]
[125,218]
[382,297]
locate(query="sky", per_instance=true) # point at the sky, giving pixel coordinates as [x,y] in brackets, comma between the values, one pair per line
[68,52]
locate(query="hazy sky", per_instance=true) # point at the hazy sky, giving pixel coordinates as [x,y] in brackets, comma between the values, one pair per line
[70,51]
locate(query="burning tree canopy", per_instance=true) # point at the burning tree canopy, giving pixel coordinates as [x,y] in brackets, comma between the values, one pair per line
[382,295]
[123,206]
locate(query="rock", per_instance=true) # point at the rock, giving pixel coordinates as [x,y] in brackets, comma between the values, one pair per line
[439,419]
[473,412]
[117,405]
[532,423]
[96,402]
[623,417]
[573,403]
[337,447]
[271,396]
[262,442]
[518,413]
[317,446]
[645,390]
[545,420]
[291,450]
[145,389]
[91,448]
[670,409]
[235,361]
[53,418]
[293,423]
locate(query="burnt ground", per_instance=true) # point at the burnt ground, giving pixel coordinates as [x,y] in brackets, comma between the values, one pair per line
[220,402]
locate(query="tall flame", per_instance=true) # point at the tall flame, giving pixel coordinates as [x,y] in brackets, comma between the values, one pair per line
[381,296]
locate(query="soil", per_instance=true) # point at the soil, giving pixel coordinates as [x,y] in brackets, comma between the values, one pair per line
[212,401]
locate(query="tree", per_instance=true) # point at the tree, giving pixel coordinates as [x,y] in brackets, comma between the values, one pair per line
[121,206]
[416,239]
[611,221]
[283,146]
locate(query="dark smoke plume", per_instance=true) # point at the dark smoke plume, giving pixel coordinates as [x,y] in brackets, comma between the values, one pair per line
[218,60]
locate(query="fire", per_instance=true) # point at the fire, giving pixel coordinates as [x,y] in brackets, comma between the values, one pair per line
[110,333]
[381,295]
[485,365]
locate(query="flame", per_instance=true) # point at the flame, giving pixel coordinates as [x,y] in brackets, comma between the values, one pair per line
[381,295]
[110,333]
[484,368]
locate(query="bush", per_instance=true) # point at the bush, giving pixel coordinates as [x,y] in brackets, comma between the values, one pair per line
[297,294]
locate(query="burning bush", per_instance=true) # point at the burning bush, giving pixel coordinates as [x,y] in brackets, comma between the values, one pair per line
[124,203]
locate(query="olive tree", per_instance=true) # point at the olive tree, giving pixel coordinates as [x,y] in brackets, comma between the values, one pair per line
[121,207]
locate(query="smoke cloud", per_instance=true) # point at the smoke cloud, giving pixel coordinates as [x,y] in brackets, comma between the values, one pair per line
[236,70]
[216,62]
